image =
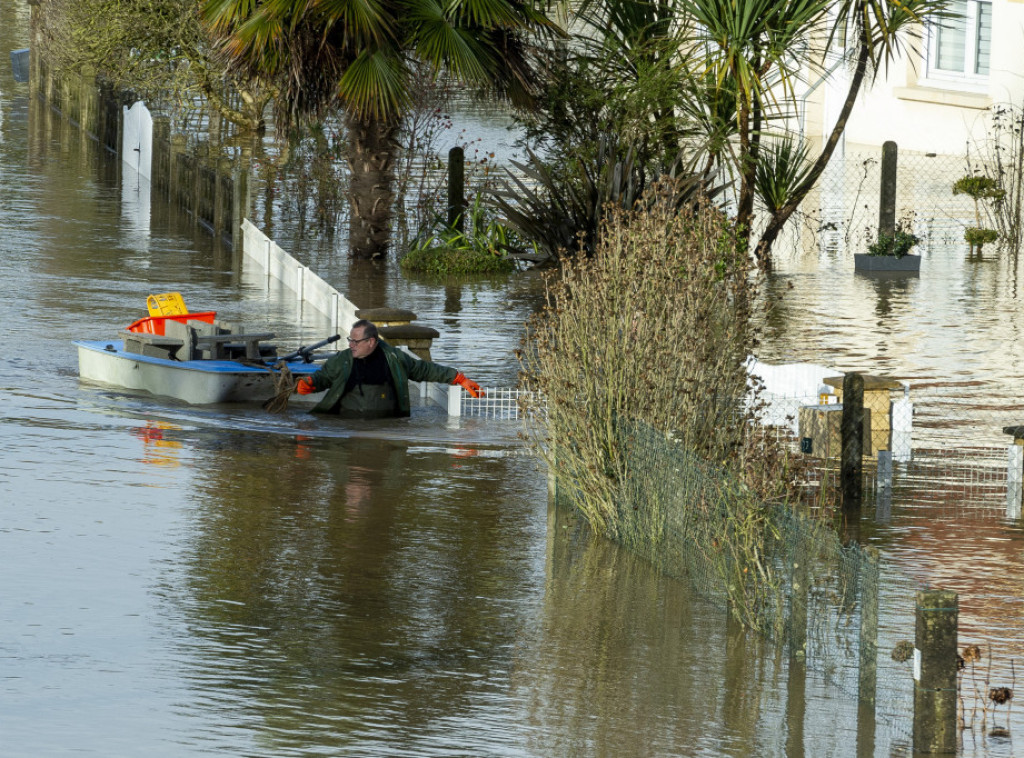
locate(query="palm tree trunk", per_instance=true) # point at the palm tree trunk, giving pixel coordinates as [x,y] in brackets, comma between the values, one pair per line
[750,146]
[781,216]
[371,153]
[745,202]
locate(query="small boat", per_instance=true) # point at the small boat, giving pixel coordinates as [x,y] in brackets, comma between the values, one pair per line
[194,358]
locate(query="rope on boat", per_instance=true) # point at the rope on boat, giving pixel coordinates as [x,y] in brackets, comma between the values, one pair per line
[284,383]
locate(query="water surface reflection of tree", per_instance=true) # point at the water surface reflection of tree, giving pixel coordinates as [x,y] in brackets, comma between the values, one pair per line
[347,591]
[629,662]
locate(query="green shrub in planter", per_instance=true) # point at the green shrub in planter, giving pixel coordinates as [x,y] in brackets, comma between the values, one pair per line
[976,237]
[979,188]
[481,249]
[896,245]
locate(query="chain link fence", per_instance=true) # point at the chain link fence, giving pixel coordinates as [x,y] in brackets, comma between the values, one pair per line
[845,614]
[842,213]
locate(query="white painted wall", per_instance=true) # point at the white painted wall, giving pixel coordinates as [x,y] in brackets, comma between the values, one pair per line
[934,117]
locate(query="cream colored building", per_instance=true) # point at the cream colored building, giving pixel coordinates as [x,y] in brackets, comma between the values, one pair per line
[936,98]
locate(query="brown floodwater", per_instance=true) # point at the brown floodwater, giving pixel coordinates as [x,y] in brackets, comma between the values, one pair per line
[179,581]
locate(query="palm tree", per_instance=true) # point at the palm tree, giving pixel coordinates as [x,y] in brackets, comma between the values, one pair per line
[873,33]
[756,49]
[359,55]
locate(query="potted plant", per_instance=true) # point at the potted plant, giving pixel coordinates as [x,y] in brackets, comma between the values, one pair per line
[890,252]
[979,188]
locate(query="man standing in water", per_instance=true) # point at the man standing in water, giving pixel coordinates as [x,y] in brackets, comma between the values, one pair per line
[371,378]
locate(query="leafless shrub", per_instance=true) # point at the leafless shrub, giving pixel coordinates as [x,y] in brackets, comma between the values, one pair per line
[653,328]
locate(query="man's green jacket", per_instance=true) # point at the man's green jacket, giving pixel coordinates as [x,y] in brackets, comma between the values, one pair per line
[335,372]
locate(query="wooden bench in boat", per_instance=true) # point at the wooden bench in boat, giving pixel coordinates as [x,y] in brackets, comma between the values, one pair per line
[221,346]
[197,340]
[153,345]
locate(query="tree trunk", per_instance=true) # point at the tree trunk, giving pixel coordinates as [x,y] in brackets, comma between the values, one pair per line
[745,202]
[781,216]
[750,148]
[371,152]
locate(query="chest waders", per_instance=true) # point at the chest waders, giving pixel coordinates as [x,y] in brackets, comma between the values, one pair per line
[369,401]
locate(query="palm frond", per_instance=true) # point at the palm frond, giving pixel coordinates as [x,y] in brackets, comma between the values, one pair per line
[782,164]
[375,85]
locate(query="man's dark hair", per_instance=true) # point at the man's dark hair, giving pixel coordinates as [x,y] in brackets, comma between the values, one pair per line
[369,328]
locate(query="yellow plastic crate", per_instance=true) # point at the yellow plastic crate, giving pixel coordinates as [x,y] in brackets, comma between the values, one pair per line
[166,304]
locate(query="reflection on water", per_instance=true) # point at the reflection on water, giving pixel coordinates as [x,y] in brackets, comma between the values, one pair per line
[361,595]
[160,448]
[180,581]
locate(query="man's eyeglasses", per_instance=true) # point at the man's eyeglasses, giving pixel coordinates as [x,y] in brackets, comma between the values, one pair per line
[355,342]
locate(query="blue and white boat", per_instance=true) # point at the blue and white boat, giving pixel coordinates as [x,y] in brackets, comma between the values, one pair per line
[195,359]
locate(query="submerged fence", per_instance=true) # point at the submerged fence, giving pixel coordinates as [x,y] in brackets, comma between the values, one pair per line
[841,214]
[845,615]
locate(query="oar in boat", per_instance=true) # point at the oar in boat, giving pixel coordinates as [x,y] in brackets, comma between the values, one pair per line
[306,353]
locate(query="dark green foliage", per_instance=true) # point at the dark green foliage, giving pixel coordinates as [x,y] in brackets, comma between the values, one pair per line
[782,164]
[617,77]
[475,243]
[443,260]
[560,212]
[897,245]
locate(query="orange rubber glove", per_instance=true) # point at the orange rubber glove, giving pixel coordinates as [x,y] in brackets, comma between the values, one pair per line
[305,386]
[468,384]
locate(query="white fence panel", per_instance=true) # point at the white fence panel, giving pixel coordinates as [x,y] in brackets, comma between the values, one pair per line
[309,289]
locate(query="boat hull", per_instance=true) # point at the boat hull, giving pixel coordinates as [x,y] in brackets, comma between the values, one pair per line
[204,382]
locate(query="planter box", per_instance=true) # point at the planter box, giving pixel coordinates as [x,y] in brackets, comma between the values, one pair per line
[865,262]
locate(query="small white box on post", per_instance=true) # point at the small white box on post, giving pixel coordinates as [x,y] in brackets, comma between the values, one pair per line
[883,486]
[1014,471]
[902,425]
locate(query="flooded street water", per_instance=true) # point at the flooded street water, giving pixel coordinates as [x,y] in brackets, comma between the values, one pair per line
[185,581]
[182,581]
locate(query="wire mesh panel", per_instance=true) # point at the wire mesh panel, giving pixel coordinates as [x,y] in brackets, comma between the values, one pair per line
[843,210]
[497,403]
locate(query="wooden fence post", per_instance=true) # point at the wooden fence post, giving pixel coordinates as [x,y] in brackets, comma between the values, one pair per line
[887,196]
[456,188]
[796,679]
[935,694]
[852,429]
[867,685]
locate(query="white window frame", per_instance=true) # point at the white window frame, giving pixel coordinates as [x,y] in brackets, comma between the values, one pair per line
[962,80]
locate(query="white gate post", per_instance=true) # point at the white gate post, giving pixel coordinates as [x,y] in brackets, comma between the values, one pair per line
[1014,478]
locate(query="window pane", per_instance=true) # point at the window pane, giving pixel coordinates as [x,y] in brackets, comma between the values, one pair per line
[951,38]
[984,37]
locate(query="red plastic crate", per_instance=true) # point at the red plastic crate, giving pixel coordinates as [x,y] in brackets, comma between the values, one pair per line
[155,324]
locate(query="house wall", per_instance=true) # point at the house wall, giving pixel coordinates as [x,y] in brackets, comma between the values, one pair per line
[929,116]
